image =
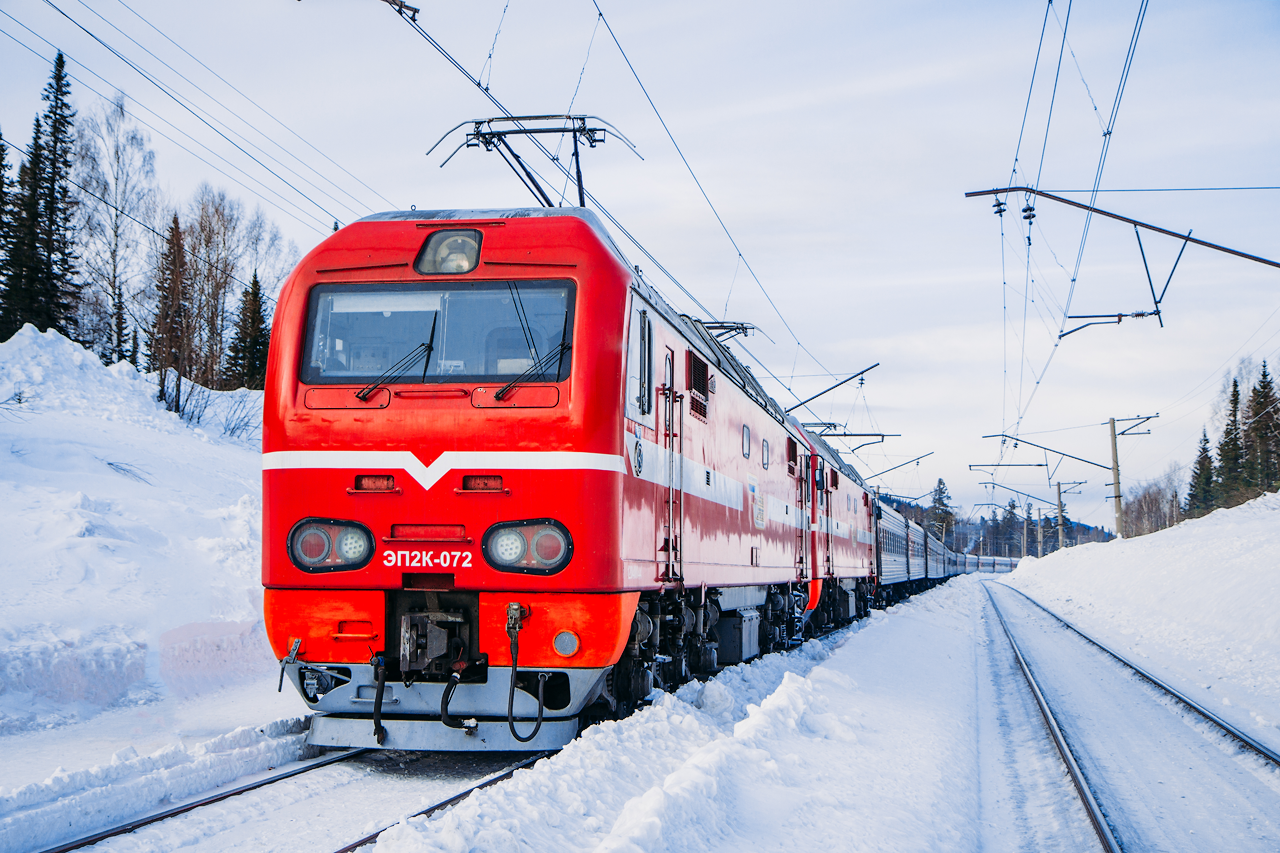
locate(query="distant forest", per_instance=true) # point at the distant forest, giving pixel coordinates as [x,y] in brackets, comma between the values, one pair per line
[1242,465]
[90,248]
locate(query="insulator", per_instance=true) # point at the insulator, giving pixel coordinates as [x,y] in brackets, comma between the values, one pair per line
[999,207]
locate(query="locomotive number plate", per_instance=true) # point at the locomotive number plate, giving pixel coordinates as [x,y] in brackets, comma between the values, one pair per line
[427,559]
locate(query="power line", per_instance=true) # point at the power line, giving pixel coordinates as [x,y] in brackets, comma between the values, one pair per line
[162,134]
[140,223]
[182,104]
[1169,190]
[231,112]
[259,107]
[703,191]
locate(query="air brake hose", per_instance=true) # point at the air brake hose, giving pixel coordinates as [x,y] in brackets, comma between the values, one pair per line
[515,621]
[444,702]
[380,672]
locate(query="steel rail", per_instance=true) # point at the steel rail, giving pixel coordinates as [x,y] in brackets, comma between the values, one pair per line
[1096,817]
[133,825]
[444,804]
[1262,750]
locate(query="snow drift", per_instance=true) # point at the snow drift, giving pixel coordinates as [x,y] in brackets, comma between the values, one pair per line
[133,545]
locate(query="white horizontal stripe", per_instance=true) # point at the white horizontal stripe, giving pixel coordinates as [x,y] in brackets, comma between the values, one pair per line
[428,475]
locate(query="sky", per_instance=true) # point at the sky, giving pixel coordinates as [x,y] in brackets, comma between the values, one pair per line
[835,141]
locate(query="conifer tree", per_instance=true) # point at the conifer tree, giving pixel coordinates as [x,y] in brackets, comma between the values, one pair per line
[28,273]
[1229,484]
[40,263]
[1259,434]
[1200,489]
[939,517]
[60,201]
[5,199]
[168,332]
[247,356]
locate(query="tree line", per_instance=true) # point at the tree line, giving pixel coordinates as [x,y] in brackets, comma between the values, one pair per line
[90,248]
[1004,533]
[1242,465]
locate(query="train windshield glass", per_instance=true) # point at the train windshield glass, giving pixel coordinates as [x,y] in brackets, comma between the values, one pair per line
[482,331]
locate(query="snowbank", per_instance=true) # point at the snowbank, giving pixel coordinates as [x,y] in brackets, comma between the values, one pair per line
[1198,603]
[132,564]
[74,804]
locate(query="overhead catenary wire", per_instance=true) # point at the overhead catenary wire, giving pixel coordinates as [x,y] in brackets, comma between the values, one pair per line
[745,263]
[256,105]
[233,113]
[144,225]
[181,103]
[283,201]
[1097,181]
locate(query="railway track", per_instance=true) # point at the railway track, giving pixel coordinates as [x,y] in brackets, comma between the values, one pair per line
[1153,768]
[444,804]
[329,760]
[139,823]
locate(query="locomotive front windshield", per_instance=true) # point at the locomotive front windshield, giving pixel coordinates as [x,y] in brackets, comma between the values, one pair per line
[439,332]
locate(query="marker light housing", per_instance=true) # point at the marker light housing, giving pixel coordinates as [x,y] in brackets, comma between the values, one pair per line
[328,545]
[540,546]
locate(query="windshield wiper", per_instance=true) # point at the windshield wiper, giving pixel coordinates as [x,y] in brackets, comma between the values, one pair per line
[401,367]
[552,357]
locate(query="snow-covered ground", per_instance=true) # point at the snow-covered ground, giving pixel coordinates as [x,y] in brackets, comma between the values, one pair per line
[1197,604]
[134,671]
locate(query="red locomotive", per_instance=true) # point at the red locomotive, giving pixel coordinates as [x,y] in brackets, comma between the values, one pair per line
[508,489]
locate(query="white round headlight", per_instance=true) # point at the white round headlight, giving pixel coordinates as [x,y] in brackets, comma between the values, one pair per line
[507,547]
[352,545]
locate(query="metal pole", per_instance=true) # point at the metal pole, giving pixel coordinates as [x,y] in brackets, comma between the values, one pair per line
[1062,530]
[1039,534]
[1115,482]
[1024,534]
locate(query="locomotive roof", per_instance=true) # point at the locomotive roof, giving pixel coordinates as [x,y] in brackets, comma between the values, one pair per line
[702,340]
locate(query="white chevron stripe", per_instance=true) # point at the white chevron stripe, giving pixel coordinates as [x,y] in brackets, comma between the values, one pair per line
[428,475]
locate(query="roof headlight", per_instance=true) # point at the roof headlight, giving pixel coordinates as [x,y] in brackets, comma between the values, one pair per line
[453,251]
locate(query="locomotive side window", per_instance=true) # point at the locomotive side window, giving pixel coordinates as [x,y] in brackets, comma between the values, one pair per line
[639,365]
[764,453]
[746,441]
[479,331]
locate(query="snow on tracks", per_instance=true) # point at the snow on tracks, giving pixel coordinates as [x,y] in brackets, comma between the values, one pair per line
[861,741]
[75,804]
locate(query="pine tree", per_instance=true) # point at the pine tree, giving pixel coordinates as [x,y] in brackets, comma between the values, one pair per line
[1200,489]
[40,263]
[59,201]
[168,332]
[939,518]
[28,273]
[1260,436]
[246,365]
[5,200]
[1229,483]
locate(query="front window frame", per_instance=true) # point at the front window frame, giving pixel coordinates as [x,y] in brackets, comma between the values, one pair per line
[311,373]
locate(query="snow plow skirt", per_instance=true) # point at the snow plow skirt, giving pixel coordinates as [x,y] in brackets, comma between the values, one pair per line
[434,736]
